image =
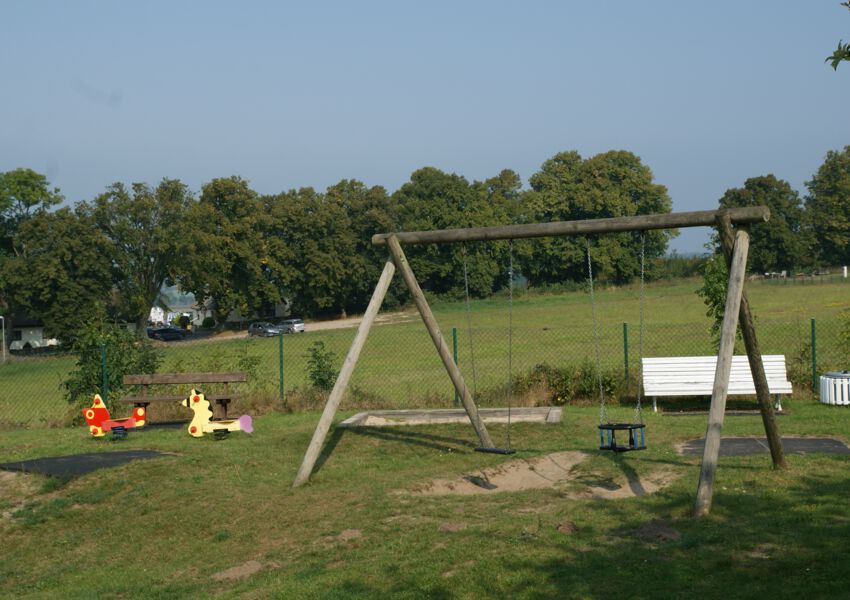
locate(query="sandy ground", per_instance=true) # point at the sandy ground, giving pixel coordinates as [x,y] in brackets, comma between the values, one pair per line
[15,491]
[552,470]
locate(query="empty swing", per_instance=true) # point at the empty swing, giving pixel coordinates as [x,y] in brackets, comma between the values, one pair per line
[507,449]
[607,429]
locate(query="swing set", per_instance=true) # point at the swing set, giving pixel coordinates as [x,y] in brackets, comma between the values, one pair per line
[735,244]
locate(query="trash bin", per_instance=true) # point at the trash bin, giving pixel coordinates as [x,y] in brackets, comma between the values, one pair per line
[835,388]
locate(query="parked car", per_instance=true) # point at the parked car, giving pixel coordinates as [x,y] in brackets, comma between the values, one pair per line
[292,326]
[167,334]
[263,328]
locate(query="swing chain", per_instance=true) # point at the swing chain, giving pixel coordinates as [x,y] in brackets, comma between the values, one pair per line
[469,323]
[603,413]
[510,336]
[638,411]
[507,449]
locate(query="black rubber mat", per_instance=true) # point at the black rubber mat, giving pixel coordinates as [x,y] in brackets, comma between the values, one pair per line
[739,446]
[79,464]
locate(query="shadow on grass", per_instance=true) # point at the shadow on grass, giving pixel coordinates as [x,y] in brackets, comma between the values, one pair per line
[774,543]
[771,543]
[416,438]
[412,438]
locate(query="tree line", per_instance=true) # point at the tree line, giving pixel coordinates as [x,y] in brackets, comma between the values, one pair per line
[109,257]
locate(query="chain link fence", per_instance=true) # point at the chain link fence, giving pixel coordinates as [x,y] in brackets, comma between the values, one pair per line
[541,353]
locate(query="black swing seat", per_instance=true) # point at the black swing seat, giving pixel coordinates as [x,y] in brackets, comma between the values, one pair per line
[496,450]
[608,436]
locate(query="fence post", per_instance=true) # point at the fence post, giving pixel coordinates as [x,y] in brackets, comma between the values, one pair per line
[104,373]
[814,358]
[454,354]
[281,392]
[626,354]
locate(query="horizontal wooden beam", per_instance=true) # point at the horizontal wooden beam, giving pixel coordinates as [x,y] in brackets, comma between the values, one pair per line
[703,218]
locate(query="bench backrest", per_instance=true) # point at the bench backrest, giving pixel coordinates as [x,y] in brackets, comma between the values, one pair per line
[694,375]
[164,378]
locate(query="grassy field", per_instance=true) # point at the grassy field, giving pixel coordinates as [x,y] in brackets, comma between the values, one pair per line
[219,519]
[399,368]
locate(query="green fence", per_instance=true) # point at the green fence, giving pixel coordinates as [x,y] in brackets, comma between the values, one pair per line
[552,355]
[399,367]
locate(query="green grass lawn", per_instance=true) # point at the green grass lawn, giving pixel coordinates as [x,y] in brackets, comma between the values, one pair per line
[400,369]
[174,527]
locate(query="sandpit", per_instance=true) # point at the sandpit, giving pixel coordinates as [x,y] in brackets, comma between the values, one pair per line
[549,471]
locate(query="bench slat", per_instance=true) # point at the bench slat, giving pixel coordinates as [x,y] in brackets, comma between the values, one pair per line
[171,378]
[149,399]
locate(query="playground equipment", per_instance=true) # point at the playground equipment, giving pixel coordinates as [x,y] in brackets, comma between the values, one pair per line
[735,244]
[607,429]
[99,422]
[202,418]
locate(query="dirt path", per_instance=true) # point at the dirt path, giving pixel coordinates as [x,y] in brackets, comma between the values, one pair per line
[381,319]
[348,323]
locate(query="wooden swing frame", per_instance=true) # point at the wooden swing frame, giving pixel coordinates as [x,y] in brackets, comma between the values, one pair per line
[735,245]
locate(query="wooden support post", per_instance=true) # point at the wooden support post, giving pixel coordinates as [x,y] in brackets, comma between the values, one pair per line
[344,376]
[439,341]
[748,331]
[708,469]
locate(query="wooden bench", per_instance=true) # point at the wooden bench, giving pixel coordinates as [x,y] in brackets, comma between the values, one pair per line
[187,379]
[694,376]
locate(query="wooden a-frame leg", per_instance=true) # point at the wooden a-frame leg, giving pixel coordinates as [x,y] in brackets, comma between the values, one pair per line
[748,332]
[344,376]
[708,468]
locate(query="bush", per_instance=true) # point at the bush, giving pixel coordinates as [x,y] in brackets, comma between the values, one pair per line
[713,291]
[125,353]
[321,366]
[561,385]
[208,323]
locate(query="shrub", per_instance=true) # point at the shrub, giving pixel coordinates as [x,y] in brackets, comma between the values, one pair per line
[125,353]
[713,291]
[561,385]
[321,366]
[208,323]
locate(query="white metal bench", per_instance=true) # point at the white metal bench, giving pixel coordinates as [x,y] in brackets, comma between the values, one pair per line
[694,376]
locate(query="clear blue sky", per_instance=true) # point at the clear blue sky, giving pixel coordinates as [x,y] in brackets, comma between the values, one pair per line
[305,94]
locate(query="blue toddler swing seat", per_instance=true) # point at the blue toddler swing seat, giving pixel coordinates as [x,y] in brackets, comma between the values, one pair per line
[608,436]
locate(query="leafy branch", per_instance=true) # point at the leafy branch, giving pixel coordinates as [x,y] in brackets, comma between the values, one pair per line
[841,53]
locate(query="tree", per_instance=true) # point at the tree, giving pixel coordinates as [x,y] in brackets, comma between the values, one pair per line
[370,210]
[311,234]
[61,272]
[841,53]
[611,184]
[145,229]
[828,208]
[433,199]
[225,253]
[776,245]
[23,193]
